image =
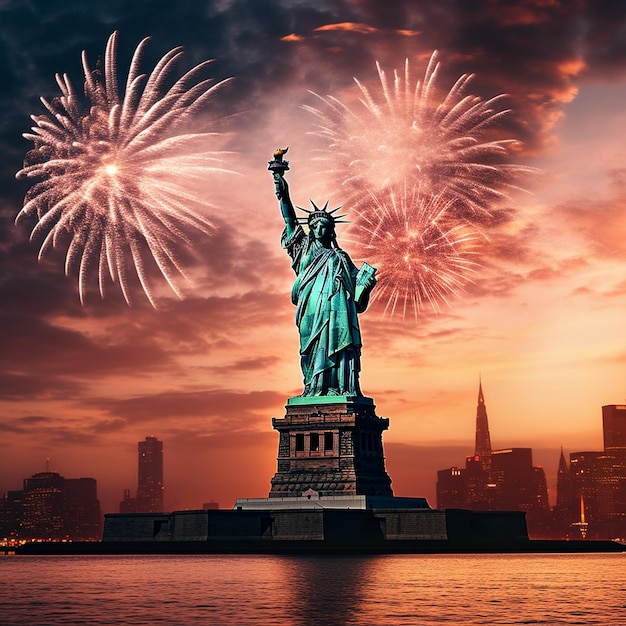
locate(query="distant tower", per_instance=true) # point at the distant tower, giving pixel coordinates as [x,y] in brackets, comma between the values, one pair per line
[150,482]
[482,448]
[564,490]
[614,426]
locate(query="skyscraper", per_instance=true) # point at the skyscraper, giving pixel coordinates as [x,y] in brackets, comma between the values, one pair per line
[150,476]
[614,426]
[598,479]
[43,506]
[519,484]
[482,448]
[594,477]
[451,488]
[53,508]
[83,508]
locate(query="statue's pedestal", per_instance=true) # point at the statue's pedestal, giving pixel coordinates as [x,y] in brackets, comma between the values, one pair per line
[330,446]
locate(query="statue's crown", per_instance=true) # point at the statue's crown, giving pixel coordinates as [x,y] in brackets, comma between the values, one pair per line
[322,213]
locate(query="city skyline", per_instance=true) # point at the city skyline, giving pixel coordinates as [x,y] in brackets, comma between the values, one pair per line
[541,325]
[590,493]
[50,507]
[150,481]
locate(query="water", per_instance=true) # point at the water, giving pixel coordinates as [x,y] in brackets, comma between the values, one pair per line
[290,590]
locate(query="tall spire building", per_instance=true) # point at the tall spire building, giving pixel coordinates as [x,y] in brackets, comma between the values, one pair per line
[482,448]
[564,492]
[495,480]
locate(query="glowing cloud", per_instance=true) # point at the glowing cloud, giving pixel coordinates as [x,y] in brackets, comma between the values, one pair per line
[365,29]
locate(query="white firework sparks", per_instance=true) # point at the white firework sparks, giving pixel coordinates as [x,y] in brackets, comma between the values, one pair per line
[424,173]
[412,132]
[115,175]
[424,255]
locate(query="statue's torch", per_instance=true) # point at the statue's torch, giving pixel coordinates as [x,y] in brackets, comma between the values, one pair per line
[277,165]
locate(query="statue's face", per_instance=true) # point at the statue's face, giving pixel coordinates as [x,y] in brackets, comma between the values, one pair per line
[322,230]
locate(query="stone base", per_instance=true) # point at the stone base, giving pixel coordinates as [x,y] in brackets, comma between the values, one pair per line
[313,500]
[379,527]
[331,445]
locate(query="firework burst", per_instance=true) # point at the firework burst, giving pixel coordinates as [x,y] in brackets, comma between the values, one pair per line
[117,176]
[413,132]
[424,173]
[423,254]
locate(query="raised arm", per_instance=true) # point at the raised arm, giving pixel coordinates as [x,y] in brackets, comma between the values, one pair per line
[278,167]
[286,207]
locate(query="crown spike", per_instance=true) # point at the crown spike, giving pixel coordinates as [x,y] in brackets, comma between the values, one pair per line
[317,213]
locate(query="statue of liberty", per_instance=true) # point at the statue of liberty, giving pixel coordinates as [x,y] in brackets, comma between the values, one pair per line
[329,291]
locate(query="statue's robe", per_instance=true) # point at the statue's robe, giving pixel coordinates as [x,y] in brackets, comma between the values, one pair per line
[326,316]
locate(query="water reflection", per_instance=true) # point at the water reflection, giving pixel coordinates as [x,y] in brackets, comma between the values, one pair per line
[327,590]
[301,591]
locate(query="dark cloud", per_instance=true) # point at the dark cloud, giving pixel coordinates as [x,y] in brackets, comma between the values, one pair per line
[612,293]
[224,408]
[35,347]
[24,425]
[617,178]
[600,223]
[46,358]
[47,429]
[604,43]
[253,364]
[558,270]
[500,280]
[533,50]
[34,386]
[234,254]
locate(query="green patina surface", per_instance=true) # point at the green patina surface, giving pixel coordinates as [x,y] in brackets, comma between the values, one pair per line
[313,400]
[329,292]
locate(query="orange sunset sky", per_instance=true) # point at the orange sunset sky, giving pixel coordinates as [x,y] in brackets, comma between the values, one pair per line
[542,324]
